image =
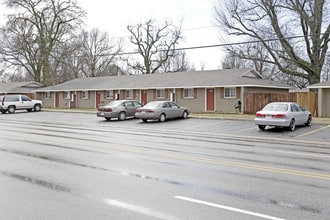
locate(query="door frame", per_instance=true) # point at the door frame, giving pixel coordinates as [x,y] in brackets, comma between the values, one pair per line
[209,102]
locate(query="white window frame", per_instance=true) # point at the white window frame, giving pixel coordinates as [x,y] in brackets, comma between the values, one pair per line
[67,95]
[129,94]
[109,94]
[48,95]
[230,93]
[188,93]
[84,94]
[160,94]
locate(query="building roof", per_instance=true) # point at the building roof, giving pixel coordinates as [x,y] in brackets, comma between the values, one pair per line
[195,79]
[324,84]
[19,87]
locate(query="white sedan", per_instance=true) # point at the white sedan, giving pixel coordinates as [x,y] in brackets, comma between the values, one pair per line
[283,114]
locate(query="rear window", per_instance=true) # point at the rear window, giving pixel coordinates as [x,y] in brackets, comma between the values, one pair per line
[153,104]
[14,98]
[114,103]
[276,107]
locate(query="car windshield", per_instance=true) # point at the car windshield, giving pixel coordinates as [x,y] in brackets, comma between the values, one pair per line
[153,104]
[276,107]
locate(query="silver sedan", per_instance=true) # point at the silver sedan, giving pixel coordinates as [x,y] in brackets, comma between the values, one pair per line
[161,110]
[120,109]
[283,114]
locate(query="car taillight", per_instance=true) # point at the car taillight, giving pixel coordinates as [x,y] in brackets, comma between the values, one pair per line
[104,109]
[259,115]
[279,116]
[138,110]
[150,110]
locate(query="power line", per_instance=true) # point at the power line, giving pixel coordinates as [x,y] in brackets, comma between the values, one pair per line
[216,45]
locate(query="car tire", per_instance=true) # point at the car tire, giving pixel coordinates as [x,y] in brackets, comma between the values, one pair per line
[121,116]
[262,127]
[145,120]
[162,117]
[309,121]
[107,118]
[37,108]
[11,109]
[185,115]
[292,125]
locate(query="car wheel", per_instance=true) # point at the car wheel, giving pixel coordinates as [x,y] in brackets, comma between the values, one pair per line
[185,115]
[145,120]
[11,109]
[162,117]
[121,116]
[309,121]
[37,108]
[292,125]
[262,127]
[108,118]
[3,111]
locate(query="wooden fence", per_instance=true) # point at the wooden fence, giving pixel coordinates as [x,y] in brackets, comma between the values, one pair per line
[254,102]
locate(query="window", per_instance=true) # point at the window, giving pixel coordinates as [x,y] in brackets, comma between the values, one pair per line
[47,95]
[166,105]
[160,94]
[25,98]
[84,94]
[136,104]
[109,94]
[188,93]
[230,92]
[129,94]
[128,104]
[66,95]
[11,98]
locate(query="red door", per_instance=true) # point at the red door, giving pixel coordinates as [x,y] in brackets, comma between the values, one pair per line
[210,100]
[98,99]
[57,99]
[144,97]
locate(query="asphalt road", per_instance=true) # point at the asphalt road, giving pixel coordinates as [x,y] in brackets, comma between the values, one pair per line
[56,165]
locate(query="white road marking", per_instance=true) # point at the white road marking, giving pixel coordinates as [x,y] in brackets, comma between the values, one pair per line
[138,209]
[305,154]
[228,208]
[203,125]
[312,132]
[247,129]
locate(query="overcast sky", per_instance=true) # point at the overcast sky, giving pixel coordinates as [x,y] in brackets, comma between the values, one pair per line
[198,22]
[198,25]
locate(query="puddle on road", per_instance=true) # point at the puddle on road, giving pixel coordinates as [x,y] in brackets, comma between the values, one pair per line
[53,159]
[39,182]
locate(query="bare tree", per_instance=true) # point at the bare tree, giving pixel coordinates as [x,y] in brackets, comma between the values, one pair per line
[38,27]
[300,27]
[155,44]
[177,63]
[98,53]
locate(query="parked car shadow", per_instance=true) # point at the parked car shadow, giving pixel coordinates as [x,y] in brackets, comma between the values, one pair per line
[281,129]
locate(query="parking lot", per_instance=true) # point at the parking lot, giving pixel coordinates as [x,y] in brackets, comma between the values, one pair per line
[224,126]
